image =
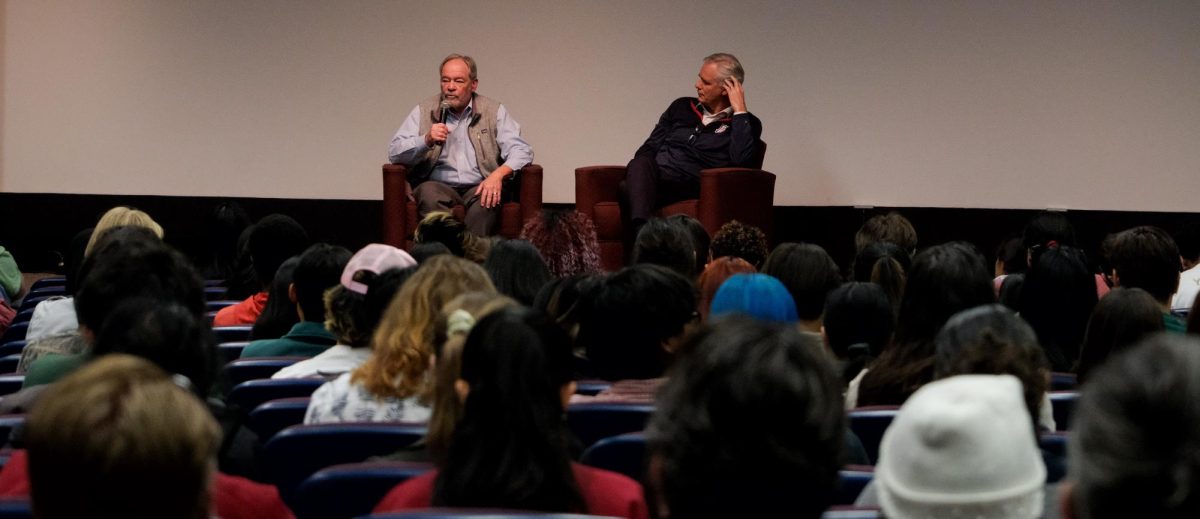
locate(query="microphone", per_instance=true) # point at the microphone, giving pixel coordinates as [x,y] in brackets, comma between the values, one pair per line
[445,110]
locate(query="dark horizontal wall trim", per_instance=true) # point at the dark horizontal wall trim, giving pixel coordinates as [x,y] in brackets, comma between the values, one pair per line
[34,224]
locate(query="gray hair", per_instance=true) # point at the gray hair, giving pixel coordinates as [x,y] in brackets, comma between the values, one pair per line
[727,64]
[475,72]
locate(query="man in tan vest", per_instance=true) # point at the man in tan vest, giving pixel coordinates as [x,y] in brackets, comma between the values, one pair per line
[460,146]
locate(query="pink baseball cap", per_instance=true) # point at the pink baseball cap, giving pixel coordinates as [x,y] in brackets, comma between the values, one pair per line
[375,258]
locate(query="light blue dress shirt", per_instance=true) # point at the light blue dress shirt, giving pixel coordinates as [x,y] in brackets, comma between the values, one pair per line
[457,165]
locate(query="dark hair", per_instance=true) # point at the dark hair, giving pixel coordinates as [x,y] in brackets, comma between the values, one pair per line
[1011,254]
[945,279]
[1047,230]
[885,264]
[565,299]
[510,446]
[423,251]
[1119,320]
[859,322]
[892,227]
[661,242]
[1057,298]
[1133,441]
[631,313]
[808,273]
[1146,258]
[725,448]
[225,225]
[352,317]
[1193,322]
[165,333]
[567,241]
[128,264]
[320,268]
[993,340]
[701,241]
[517,269]
[242,282]
[279,314]
[1188,240]
[272,241]
[740,240]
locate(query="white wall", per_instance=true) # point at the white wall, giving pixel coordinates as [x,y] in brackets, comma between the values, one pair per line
[952,103]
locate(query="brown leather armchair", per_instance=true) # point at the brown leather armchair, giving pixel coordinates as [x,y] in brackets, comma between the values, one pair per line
[523,200]
[743,194]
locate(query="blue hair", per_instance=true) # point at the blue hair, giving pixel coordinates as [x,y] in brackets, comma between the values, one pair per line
[760,296]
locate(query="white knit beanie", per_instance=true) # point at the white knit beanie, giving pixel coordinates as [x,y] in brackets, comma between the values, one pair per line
[962,447]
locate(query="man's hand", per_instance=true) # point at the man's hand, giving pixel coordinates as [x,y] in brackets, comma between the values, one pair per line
[489,189]
[437,135]
[737,96]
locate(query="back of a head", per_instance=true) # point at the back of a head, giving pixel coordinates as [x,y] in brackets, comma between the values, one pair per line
[891,227]
[700,238]
[567,241]
[272,241]
[140,266]
[962,447]
[319,269]
[945,279]
[442,227]
[665,243]
[755,295]
[279,314]
[715,274]
[1188,240]
[1047,230]
[1057,297]
[1147,258]
[566,299]
[352,317]
[165,333]
[725,448]
[119,439]
[632,314]
[121,216]
[808,273]
[517,269]
[510,446]
[1010,254]
[1122,318]
[858,321]
[993,340]
[740,241]
[1133,436]
[423,251]
[885,264]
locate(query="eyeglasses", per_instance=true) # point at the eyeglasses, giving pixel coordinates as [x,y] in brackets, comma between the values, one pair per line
[695,132]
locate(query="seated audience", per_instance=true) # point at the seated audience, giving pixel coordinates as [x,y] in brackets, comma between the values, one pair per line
[393,384]
[319,269]
[269,243]
[666,243]
[962,447]
[1188,240]
[1051,230]
[809,275]
[758,296]
[1120,320]
[720,443]
[739,240]
[1010,259]
[1057,297]
[885,264]
[279,315]
[567,241]
[715,273]
[891,227]
[700,237]
[1133,440]
[442,227]
[517,269]
[859,322]
[944,280]
[510,446]
[1147,258]
[353,309]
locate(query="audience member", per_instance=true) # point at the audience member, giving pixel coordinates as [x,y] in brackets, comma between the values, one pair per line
[944,280]
[1050,230]
[749,424]
[1188,240]
[564,300]
[666,243]
[1133,442]
[517,269]
[424,251]
[10,277]
[715,273]
[809,274]
[1010,259]
[225,225]
[269,243]
[319,269]
[700,238]
[891,227]
[1057,298]
[858,326]
[353,309]
[567,241]
[1147,258]
[510,447]
[885,264]
[166,333]
[1120,320]
[442,227]
[962,447]
[739,240]
[279,314]
[393,384]
[758,296]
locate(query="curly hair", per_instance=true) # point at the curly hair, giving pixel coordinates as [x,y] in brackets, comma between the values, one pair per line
[442,227]
[740,241]
[567,241]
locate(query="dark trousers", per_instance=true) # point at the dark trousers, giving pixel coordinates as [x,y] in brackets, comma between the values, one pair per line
[435,196]
[648,187]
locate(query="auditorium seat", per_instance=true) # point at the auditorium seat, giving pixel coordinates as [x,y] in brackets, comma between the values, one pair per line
[594,422]
[253,368]
[477,514]
[1063,381]
[624,453]
[11,347]
[400,211]
[273,416]
[352,489]
[15,332]
[248,395]
[230,351]
[869,423]
[10,384]
[23,316]
[232,333]
[8,363]
[1063,405]
[743,194]
[15,508]
[48,282]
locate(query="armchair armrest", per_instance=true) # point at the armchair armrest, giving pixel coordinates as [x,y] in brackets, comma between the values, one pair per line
[596,184]
[395,195]
[744,194]
[530,194]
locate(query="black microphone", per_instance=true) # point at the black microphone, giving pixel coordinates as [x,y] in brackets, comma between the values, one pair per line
[445,110]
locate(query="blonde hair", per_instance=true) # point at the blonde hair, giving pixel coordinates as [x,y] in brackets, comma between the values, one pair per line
[404,339]
[121,216]
[98,439]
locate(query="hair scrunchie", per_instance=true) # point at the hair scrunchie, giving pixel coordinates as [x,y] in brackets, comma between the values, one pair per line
[459,321]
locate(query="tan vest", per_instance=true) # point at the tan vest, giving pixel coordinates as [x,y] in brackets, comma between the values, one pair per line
[481,129]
